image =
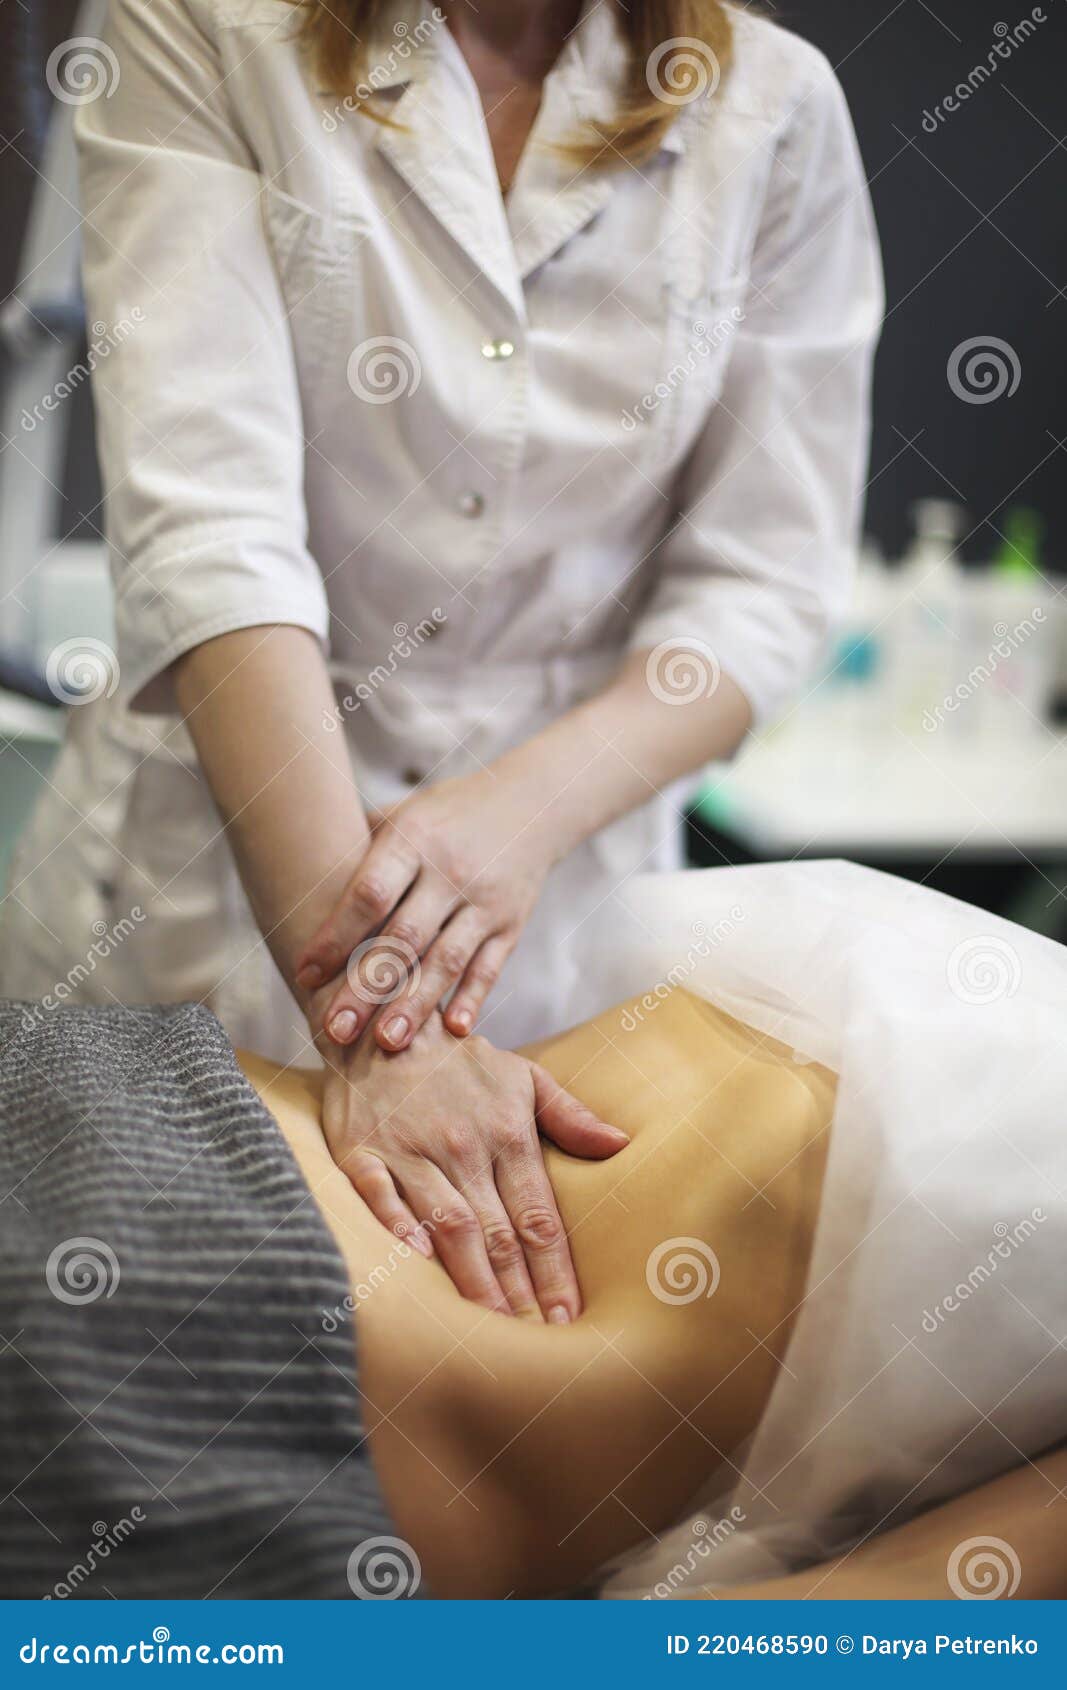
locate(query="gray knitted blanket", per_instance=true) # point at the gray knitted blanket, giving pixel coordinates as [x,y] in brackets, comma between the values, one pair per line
[179,1413]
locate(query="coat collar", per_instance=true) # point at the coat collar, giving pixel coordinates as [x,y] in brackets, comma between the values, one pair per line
[592,62]
[440,144]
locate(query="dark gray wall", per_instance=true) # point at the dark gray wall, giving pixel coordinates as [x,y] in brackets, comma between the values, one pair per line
[974,235]
[975,242]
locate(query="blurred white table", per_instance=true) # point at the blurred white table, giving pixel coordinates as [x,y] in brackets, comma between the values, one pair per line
[813,787]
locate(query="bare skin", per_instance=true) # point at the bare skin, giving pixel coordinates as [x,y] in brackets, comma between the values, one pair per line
[1024,1509]
[510,50]
[258,702]
[489,1434]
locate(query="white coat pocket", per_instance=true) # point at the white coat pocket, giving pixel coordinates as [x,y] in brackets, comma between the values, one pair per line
[317,260]
[700,328]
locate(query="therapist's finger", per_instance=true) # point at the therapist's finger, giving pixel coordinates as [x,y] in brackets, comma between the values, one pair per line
[443,964]
[526,1193]
[482,974]
[570,1123]
[456,1231]
[503,1246]
[375,1184]
[372,893]
[382,970]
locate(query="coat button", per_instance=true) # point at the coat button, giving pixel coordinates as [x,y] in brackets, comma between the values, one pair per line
[471,504]
[497,349]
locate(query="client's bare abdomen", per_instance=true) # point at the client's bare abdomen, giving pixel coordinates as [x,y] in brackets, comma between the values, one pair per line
[518,1457]
[730,1135]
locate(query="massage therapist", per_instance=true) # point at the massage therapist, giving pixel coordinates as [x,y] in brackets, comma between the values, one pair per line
[486,458]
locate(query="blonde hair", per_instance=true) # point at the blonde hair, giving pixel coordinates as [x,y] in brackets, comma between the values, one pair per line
[676,48]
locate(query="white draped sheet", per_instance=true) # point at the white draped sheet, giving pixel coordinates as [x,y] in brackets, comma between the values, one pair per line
[928,1354]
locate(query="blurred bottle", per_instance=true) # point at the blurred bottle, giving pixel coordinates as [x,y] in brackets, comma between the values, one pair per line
[851,689]
[929,622]
[1011,679]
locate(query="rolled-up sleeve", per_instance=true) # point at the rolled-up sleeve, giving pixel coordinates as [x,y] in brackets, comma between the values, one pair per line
[759,563]
[198,414]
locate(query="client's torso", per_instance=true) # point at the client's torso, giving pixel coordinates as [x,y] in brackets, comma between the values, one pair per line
[518,1457]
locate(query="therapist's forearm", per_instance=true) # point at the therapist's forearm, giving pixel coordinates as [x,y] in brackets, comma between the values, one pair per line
[257,702]
[619,749]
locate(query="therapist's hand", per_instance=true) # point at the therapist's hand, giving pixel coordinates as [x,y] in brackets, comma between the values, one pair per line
[447,885]
[441,1143]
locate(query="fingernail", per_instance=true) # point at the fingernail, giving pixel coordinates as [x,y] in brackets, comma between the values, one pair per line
[558,1315]
[460,1022]
[617,1131]
[309,976]
[421,1243]
[343,1026]
[395,1029]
